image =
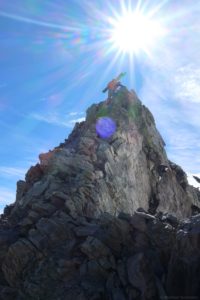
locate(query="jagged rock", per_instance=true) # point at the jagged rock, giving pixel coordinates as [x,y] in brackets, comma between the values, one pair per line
[103,218]
[104,175]
[195,210]
[43,209]
[197,179]
[171,219]
[34,174]
[7,210]
[180,175]
[21,189]
[101,266]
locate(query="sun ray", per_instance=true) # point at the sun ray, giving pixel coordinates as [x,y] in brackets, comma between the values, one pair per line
[138,6]
[110,66]
[132,69]
[157,8]
[36,22]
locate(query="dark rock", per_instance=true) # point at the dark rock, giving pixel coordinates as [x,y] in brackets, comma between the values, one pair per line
[114,288]
[171,219]
[141,276]
[105,266]
[21,189]
[87,230]
[180,175]
[57,202]
[197,178]
[184,266]
[7,210]
[94,248]
[8,293]
[43,209]
[34,174]
[195,210]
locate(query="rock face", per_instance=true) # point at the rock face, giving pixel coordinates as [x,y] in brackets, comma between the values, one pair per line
[103,218]
[91,175]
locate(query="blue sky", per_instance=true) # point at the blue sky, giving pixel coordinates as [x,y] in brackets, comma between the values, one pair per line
[55,59]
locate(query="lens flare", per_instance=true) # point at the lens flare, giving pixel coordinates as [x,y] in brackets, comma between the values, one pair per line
[105,127]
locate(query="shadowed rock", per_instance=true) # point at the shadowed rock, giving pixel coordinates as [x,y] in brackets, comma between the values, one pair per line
[197,179]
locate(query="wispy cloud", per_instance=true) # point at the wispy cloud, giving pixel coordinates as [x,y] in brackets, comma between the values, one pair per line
[58,119]
[178,121]
[12,172]
[78,120]
[73,113]
[51,118]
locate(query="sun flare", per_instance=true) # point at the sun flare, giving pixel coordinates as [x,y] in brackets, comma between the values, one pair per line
[134,32]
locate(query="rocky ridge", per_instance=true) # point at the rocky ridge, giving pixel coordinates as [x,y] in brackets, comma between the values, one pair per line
[103,218]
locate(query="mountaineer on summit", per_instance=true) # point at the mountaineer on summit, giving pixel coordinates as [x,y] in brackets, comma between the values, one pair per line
[113,85]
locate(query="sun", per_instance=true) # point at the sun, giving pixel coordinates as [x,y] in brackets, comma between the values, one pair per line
[134,32]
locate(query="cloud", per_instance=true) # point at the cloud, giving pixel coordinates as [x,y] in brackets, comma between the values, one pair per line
[183,147]
[78,120]
[7,197]
[187,83]
[59,120]
[171,87]
[12,172]
[177,121]
[73,113]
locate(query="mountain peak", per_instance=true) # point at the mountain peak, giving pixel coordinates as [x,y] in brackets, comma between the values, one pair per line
[112,162]
[101,215]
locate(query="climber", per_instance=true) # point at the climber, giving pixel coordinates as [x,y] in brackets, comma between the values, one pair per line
[113,85]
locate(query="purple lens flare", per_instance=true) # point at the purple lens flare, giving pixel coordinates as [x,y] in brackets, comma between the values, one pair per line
[105,127]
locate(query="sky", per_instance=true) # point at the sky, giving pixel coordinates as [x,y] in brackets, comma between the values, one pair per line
[57,56]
